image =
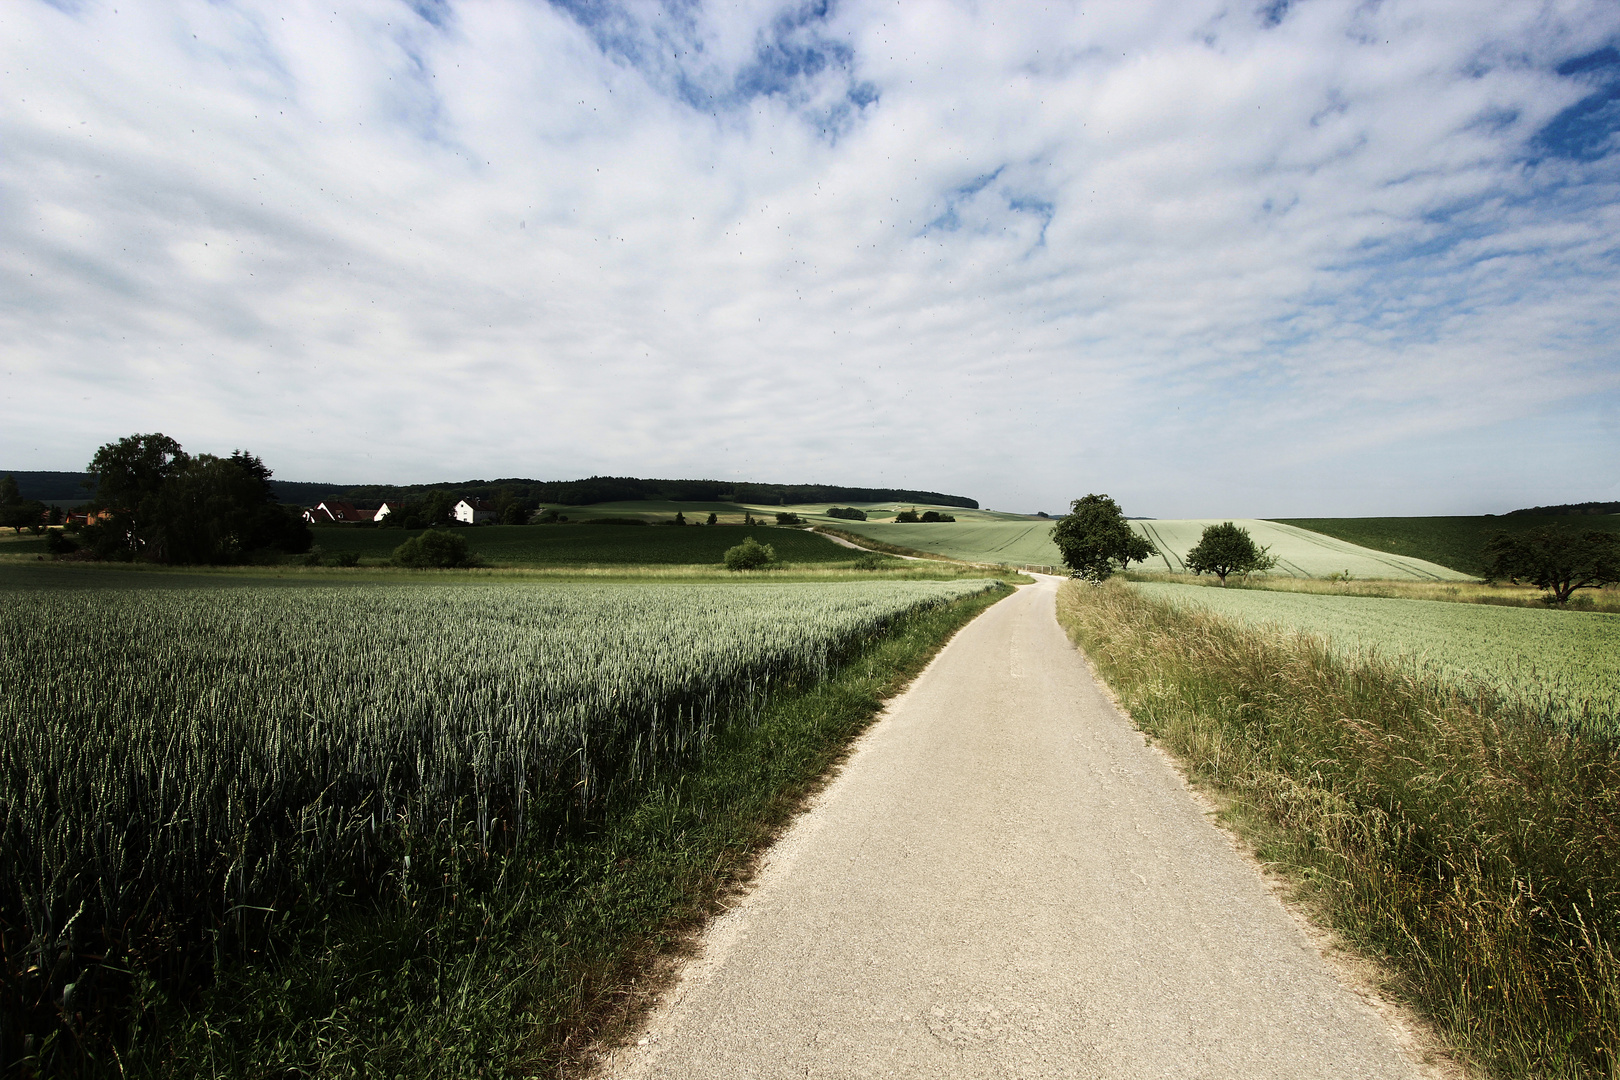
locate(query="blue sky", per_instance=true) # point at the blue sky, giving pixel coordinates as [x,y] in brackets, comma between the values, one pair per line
[1246,259]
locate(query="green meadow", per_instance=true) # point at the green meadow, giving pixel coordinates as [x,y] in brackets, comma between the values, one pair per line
[1300,553]
[596,545]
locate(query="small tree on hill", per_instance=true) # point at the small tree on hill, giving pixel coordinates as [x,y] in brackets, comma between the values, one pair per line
[1555,558]
[907,516]
[1095,535]
[680,517]
[713,517]
[788,518]
[1228,549]
[750,555]
[1137,549]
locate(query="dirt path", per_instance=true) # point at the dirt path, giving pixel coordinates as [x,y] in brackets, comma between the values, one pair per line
[841,542]
[1005,881]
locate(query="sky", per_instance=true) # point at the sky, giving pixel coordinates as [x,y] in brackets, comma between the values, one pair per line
[1308,258]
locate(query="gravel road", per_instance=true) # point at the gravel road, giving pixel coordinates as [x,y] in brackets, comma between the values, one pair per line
[1006,881]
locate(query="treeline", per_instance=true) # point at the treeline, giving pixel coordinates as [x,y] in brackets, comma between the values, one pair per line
[67,486]
[600,489]
[1571,509]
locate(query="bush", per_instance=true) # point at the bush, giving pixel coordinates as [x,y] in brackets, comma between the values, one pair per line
[784,518]
[935,515]
[435,549]
[848,512]
[870,562]
[57,544]
[907,516]
[346,558]
[750,555]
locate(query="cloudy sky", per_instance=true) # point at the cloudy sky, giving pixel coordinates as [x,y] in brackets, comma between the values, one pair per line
[1214,257]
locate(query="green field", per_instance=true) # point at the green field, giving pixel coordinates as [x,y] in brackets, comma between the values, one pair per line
[597,545]
[1017,543]
[1566,663]
[193,778]
[1301,553]
[1454,542]
[655,510]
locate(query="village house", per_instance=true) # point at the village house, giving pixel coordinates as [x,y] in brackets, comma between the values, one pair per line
[474,511]
[339,512]
[385,509]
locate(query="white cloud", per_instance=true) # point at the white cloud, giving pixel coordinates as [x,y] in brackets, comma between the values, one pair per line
[1165,250]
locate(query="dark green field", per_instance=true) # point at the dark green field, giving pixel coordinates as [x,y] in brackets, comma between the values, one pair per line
[597,545]
[1450,541]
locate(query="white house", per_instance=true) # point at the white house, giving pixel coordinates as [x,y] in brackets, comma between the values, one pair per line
[385,509]
[474,511]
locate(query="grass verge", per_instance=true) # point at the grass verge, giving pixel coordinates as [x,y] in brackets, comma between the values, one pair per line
[512,968]
[1452,834]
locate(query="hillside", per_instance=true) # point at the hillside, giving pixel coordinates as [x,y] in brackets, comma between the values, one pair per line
[1454,542]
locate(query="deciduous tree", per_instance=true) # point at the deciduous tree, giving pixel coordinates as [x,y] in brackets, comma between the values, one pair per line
[1094,535]
[1228,549]
[1556,558]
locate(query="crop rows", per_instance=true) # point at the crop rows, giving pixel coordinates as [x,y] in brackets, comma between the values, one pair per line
[179,768]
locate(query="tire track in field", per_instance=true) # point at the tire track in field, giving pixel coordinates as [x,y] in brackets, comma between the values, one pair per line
[1328,543]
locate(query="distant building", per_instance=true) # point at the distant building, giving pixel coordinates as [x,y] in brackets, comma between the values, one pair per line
[339,513]
[385,509]
[474,511]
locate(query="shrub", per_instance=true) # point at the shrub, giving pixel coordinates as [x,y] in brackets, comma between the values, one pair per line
[785,518]
[435,549]
[346,558]
[848,512]
[750,555]
[935,515]
[57,544]
[907,516]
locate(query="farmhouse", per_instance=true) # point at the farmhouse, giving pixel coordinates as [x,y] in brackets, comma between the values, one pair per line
[385,509]
[474,511]
[339,512]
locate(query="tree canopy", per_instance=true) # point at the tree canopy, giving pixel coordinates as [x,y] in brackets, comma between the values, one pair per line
[1555,558]
[1228,549]
[163,505]
[1094,535]
[16,512]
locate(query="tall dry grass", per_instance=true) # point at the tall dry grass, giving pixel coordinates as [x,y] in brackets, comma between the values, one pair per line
[1442,828]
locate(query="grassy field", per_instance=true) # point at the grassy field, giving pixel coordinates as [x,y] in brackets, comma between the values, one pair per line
[1012,542]
[597,545]
[1300,553]
[1500,593]
[1454,542]
[201,785]
[1563,664]
[1446,829]
[732,513]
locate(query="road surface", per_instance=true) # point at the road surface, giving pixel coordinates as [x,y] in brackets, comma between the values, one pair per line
[1006,881]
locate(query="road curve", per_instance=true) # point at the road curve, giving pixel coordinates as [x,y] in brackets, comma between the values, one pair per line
[1005,881]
